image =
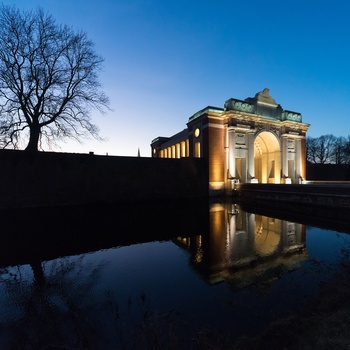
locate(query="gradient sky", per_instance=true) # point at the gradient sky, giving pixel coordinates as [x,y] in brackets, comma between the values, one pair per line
[165,60]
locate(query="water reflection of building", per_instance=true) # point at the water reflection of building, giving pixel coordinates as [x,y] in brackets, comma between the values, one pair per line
[244,248]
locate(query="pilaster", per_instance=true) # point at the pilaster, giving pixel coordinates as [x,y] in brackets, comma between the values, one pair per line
[251,167]
[231,151]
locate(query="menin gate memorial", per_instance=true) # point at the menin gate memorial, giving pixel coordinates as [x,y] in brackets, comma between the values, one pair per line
[251,140]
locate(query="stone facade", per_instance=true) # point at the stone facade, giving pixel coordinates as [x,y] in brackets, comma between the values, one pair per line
[247,141]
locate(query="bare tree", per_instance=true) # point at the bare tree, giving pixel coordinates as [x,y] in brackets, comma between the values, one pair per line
[321,150]
[311,149]
[346,150]
[326,148]
[48,80]
[340,151]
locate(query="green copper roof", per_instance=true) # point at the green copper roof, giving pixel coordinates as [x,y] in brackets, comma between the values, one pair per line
[207,109]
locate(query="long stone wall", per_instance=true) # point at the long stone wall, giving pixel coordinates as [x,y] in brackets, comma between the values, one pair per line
[315,195]
[315,202]
[49,179]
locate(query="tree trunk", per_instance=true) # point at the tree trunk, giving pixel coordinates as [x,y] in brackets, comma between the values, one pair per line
[38,272]
[33,139]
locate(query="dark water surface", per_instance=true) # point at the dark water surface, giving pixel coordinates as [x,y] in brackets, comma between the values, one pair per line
[149,275]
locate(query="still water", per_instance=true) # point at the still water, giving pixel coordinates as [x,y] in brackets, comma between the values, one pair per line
[141,278]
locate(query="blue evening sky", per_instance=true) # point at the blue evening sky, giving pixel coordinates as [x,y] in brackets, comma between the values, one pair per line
[165,60]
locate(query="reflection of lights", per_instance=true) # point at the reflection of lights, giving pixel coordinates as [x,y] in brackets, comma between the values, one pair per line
[216,185]
[199,256]
[216,207]
[267,236]
[234,210]
[199,251]
[291,235]
[242,247]
[184,241]
[259,231]
[267,243]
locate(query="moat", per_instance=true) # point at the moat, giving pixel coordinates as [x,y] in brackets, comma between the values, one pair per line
[157,275]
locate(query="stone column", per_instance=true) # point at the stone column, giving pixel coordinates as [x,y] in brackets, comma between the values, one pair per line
[284,156]
[298,159]
[251,165]
[231,152]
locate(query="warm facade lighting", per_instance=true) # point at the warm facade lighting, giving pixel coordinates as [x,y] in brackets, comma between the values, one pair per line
[248,141]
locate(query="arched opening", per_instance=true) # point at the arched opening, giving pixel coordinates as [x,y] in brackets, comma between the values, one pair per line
[267,158]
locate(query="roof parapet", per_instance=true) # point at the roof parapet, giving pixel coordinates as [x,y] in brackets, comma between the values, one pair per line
[207,109]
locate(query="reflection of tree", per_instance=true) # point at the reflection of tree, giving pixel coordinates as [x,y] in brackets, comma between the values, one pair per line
[141,327]
[48,306]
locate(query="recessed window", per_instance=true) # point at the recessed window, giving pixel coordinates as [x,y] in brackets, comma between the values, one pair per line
[196,132]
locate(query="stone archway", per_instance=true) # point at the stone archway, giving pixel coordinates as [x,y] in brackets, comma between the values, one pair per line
[267,158]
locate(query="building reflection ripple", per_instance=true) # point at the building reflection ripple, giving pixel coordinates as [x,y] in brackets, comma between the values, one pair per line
[245,248]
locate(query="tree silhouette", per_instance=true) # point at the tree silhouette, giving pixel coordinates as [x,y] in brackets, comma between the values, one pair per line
[328,149]
[48,80]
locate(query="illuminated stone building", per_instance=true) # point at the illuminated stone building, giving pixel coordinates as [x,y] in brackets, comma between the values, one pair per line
[251,140]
